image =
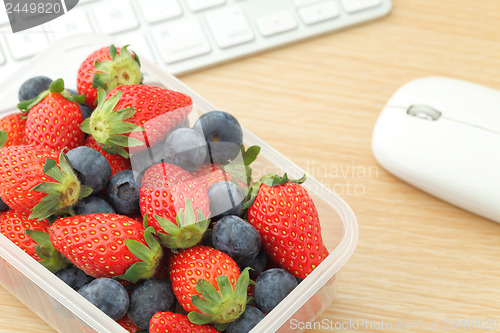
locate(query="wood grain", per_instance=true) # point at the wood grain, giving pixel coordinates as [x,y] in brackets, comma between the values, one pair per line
[419,259]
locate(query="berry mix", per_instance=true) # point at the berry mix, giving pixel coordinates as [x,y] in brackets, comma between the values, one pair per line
[158,223]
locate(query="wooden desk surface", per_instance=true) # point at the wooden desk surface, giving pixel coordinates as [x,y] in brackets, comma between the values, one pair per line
[419,259]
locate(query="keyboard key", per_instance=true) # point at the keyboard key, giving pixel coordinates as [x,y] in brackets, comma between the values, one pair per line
[352,6]
[159,10]
[180,40]
[24,45]
[319,12]
[69,24]
[113,18]
[276,23]
[229,27]
[303,2]
[196,5]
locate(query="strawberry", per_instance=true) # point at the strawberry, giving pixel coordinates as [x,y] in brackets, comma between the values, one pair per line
[136,116]
[287,220]
[174,204]
[12,226]
[107,68]
[37,181]
[208,284]
[118,163]
[12,129]
[128,325]
[169,322]
[54,119]
[106,245]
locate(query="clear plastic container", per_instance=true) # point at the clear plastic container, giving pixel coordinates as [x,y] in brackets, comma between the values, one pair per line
[67,311]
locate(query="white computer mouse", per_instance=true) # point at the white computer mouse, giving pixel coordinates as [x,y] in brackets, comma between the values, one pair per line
[442,135]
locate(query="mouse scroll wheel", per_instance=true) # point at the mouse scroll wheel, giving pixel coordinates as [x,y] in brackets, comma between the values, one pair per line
[424,112]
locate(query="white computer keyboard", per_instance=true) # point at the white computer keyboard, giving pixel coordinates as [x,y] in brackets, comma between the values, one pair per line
[187,35]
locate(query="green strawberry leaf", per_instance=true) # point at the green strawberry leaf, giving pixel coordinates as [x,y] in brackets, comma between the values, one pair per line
[3,138]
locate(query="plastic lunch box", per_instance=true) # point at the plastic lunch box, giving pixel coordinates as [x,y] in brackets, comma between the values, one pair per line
[67,311]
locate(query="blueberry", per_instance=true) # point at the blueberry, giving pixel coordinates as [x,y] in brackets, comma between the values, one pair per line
[248,320]
[86,110]
[273,285]
[123,193]
[33,87]
[149,297]
[225,199]
[91,205]
[91,167]
[223,133]
[237,238]
[185,148]
[145,158]
[74,277]
[257,265]
[108,295]
[3,206]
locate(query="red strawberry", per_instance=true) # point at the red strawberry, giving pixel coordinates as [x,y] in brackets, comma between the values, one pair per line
[38,181]
[170,196]
[287,220]
[136,116]
[54,119]
[108,68]
[12,226]
[208,283]
[209,174]
[128,325]
[107,245]
[13,124]
[169,322]
[118,163]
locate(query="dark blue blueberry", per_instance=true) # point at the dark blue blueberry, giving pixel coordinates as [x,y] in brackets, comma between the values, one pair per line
[257,265]
[33,87]
[225,199]
[86,110]
[237,238]
[91,167]
[145,158]
[186,148]
[273,285]
[123,193]
[149,297]
[108,295]
[91,205]
[248,320]
[3,206]
[74,277]
[223,133]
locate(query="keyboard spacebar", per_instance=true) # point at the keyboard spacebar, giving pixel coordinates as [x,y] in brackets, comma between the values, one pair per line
[181,40]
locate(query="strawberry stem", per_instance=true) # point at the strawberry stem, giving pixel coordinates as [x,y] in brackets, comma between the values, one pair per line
[124,68]
[269,180]
[220,306]
[56,86]
[61,194]
[188,231]
[109,127]
[149,255]
[51,259]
